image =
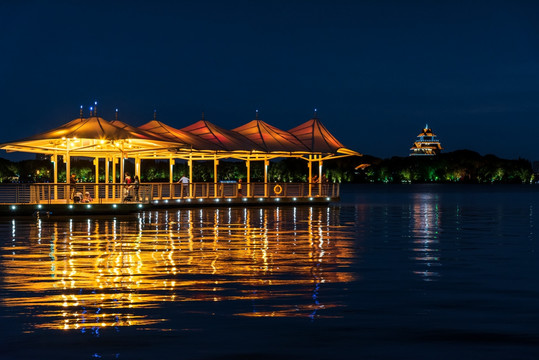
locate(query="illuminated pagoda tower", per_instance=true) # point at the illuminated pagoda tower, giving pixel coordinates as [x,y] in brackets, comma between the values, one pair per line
[426,144]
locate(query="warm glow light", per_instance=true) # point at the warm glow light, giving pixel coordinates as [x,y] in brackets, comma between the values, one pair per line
[117,276]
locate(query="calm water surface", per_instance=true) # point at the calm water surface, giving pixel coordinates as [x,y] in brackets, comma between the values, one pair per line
[391,272]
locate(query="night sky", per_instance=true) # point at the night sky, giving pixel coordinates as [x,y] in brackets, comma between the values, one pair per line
[377,71]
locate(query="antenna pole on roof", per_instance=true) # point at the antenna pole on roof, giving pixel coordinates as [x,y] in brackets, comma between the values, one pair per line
[116,115]
[81,112]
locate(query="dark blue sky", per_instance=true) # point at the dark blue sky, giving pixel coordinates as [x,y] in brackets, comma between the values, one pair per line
[377,71]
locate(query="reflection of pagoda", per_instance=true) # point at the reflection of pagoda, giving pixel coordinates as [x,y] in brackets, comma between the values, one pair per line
[426,144]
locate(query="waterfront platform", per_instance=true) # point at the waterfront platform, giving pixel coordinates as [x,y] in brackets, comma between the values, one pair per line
[61,199]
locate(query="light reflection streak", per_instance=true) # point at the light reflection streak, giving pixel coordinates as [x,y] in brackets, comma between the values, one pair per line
[425,227]
[111,272]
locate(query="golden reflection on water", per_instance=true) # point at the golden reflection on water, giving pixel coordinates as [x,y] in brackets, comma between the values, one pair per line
[93,273]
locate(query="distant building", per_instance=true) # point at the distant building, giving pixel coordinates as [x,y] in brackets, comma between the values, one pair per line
[426,144]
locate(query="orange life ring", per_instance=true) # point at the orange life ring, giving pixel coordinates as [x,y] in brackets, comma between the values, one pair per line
[277,189]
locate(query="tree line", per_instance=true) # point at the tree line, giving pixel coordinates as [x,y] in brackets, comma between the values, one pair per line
[462,166]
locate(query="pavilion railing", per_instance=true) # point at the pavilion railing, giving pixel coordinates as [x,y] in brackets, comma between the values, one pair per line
[161,191]
[33,193]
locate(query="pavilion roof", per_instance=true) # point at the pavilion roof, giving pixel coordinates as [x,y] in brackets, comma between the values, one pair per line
[226,139]
[426,132]
[128,127]
[86,137]
[94,136]
[316,137]
[189,140]
[271,138]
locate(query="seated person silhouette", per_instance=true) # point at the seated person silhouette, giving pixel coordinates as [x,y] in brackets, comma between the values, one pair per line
[77,198]
[87,198]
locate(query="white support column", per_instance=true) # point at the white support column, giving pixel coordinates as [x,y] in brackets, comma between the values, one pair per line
[67,160]
[190,164]
[96,187]
[137,167]
[319,175]
[107,170]
[114,160]
[171,162]
[107,174]
[266,164]
[122,171]
[310,179]
[215,163]
[171,177]
[248,165]
[68,166]
[54,160]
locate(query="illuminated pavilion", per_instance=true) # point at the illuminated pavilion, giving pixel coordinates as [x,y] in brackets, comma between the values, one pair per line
[115,141]
[426,144]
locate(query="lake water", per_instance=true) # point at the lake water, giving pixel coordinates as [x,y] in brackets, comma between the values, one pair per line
[390,272]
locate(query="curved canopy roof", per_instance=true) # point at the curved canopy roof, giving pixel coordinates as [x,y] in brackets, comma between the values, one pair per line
[316,137]
[84,136]
[270,137]
[226,139]
[128,127]
[96,137]
[188,139]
